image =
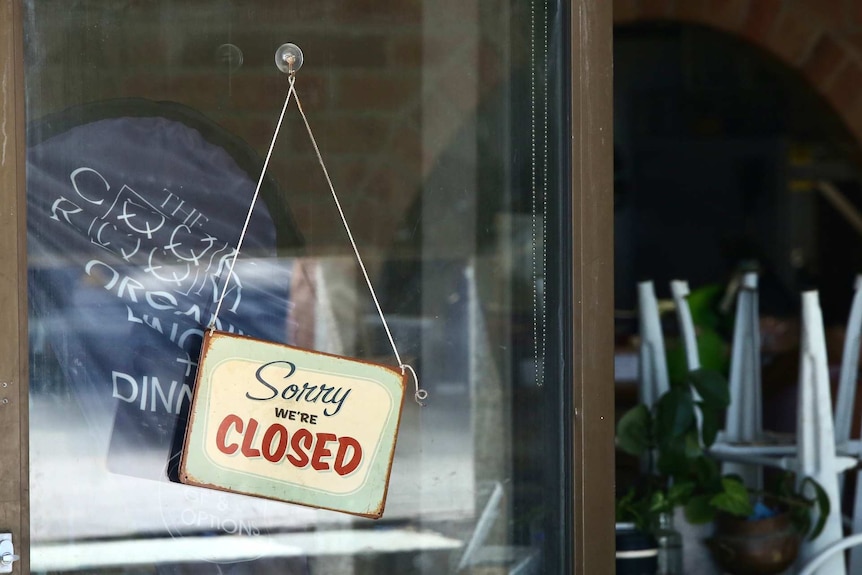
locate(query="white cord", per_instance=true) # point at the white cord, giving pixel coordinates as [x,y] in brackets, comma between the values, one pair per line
[253,202]
[420,393]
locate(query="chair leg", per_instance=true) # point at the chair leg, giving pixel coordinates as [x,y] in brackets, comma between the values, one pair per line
[744,416]
[849,368]
[653,363]
[815,432]
[811,567]
[856,552]
[844,408]
[679,290]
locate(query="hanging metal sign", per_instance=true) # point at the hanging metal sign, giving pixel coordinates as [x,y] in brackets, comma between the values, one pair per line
[280,422]
[298,426]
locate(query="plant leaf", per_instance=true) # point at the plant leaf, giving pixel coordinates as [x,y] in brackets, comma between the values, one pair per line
[702,302]
[676,455]
[707,473]
[712,349]
[674,413]
[659,503]
[698,510]
[733,498]
[680,492]
[634,507]
[692,445]
[677,368]
[625,507]
[823,506]
[710,424]
[672,459]
[784,485]
[633,431]
[712,387]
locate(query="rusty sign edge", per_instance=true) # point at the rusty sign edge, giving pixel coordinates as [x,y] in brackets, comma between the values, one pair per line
[187,478]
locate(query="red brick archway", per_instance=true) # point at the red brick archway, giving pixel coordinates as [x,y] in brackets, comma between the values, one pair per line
[822,39]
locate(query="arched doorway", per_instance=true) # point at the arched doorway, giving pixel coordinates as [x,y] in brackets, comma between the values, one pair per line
[818,39]
[718,146]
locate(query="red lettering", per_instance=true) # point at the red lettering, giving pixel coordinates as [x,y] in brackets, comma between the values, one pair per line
[276,429]
[345,443]
[221,436]
[304,447]
[320,451]
[247,439]
[300,459]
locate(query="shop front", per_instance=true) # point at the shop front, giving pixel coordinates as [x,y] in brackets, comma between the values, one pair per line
[308,287]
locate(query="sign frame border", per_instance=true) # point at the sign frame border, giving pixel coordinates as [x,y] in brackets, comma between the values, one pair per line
[187,478]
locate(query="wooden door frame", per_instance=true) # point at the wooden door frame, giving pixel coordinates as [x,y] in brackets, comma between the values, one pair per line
[592,286]
[14,409]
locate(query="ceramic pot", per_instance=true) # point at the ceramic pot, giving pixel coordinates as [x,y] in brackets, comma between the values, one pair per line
[754,547]
[636,553]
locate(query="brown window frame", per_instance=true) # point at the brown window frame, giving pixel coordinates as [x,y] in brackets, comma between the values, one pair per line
[14,452]
[591,45]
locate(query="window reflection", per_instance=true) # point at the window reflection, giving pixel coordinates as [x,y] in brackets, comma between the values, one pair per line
[147,124]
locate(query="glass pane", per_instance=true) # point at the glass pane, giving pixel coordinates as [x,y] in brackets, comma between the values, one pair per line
[442,128]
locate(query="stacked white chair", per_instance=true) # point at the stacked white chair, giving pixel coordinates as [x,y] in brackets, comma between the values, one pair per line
[849,362]
[679,290]
[815,432]
[821,446]
[744,423]
[844,410]
[815,453]
[653,363]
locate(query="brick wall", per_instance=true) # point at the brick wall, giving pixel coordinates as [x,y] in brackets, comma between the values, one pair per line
[822,39]
[370,66]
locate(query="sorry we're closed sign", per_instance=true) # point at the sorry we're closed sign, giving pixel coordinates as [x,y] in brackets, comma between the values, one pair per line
[294,425]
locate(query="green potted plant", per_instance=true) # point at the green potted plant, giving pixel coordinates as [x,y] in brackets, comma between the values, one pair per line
[673,440]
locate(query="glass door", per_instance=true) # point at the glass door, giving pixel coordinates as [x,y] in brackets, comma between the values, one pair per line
[445,127]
